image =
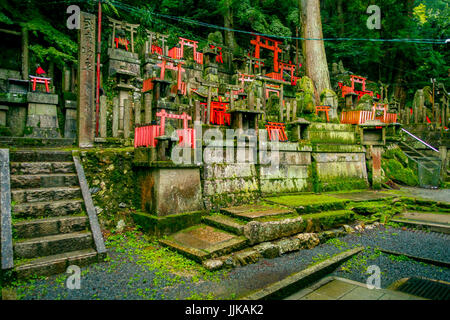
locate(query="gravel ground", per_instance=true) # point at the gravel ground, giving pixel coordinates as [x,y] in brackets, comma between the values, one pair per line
[128,275]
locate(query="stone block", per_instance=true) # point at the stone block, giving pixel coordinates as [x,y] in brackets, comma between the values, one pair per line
[166,191]
[42,98]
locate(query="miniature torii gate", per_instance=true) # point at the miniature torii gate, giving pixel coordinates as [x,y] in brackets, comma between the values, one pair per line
[116,24]
[268,44]
[151,48]
[178,53]
[170,65]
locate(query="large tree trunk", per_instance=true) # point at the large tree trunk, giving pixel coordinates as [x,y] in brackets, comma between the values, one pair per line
[314,50]
[340,13]
[228,23]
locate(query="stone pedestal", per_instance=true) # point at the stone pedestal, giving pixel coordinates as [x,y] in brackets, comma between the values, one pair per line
[244,119]
[42,118]
[373,133]
[170,190]
[299,129]
[70,128]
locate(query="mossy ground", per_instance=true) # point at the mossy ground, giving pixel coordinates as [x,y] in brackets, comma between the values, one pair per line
[303,200]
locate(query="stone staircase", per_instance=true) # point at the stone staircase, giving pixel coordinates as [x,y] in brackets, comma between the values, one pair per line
[241,235]
[50,227]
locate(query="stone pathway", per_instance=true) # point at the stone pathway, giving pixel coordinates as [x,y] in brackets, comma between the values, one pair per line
[442,195]
[427,217]
[334,288]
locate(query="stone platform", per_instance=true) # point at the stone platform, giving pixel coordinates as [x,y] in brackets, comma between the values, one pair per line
[202,242]
[335,288]
[251,212]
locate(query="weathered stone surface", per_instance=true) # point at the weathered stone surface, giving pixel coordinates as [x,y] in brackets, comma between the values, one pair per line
[258,232]
[54,208]
[45,194]
[51,245]
[50,226]
[44,180]
[212,264]
[246,256]
[288,244]
[6,253]
[86,80]
[43,98]
[268,250]
[308,240]
[168,191]
[348,229]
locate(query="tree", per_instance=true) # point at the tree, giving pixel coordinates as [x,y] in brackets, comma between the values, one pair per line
[314,50]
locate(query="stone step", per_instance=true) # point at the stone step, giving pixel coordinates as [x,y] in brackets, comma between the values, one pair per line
[47,209]
[203,242]
[42,167]
[225,223]
[41,156]
[57,263]
[51,245]
[252,212]
[44,180]
[50,226]
[45,194]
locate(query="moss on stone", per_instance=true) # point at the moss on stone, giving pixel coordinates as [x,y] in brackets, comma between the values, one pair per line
[159,226]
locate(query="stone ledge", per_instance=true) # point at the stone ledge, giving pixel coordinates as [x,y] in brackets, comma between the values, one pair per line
[299,280]
[168,224]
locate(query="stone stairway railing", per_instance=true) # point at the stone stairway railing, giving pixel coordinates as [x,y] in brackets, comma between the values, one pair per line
[5,218]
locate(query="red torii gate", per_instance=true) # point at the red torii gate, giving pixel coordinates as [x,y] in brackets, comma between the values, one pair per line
[268,44]
[181,86]
[178,53]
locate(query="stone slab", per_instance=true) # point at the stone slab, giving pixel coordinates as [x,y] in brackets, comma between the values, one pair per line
[202,242]
[250,212]
[362,196]
[427,217]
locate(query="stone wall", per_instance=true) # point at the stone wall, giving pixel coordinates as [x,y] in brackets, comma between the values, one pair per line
[339,167]
[293,173]
[225,184]
[112,182]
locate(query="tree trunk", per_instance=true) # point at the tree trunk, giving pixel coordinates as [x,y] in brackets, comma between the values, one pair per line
[228,23]
[340,13]
[314,50]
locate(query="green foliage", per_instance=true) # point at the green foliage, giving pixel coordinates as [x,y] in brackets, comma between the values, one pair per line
[397,168]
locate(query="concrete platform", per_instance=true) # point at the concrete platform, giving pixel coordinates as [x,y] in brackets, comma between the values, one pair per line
[251,212]
[202,242]
[335,288]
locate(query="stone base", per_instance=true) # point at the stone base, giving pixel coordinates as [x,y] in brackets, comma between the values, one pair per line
[170,190]
[42,117]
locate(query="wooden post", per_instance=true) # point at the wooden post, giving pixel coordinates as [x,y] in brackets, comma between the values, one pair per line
[25,54]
